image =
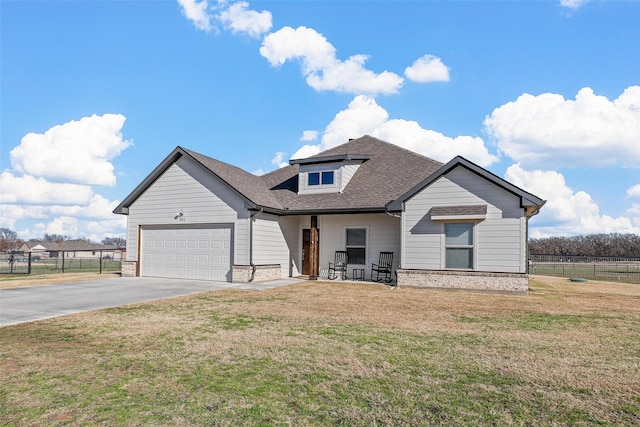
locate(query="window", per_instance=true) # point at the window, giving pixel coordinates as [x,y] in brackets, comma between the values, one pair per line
[356,245]
[459,245]
[327,178]
[317,178]
[314,178]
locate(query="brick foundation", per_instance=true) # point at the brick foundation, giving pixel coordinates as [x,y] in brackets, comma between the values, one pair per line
[128,268]
[475,280]
[242,273]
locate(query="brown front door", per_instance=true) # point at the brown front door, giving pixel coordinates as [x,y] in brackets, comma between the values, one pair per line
[306,251]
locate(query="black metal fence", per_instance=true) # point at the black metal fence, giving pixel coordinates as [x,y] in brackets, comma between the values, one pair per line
[44,262]
[612,269]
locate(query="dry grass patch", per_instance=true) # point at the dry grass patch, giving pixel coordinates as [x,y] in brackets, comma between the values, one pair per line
[23,280]
[334,354]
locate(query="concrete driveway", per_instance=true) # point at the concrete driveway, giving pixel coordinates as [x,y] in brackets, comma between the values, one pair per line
[40,302]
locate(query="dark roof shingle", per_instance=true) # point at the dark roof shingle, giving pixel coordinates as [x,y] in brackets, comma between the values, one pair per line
[390,172]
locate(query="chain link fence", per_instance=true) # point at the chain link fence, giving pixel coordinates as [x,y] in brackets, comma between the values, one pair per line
[612,269]
[46,262]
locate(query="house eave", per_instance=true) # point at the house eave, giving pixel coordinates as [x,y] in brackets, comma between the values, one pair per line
[329,159]
[330,211]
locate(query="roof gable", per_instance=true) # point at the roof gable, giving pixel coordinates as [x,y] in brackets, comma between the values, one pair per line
[248,186]
[528,201]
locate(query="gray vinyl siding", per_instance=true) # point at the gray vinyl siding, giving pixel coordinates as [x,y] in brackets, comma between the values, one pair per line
[499,245]
[203,199]
[348,170]
[383,235]
[270,244]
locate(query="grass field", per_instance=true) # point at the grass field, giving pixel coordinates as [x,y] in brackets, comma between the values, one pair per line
[624,272]
[334,354]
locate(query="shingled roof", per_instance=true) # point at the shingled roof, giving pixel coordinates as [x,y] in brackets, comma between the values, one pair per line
[388,172]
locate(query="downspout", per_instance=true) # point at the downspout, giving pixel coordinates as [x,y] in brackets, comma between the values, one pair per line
[253,266]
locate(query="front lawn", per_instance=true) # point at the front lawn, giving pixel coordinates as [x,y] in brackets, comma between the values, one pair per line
[334,354]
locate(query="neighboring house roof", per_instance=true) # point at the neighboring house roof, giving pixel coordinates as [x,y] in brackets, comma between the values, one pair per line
[82,245]
[528,201]
[69,245]
[388,173]
[37,245]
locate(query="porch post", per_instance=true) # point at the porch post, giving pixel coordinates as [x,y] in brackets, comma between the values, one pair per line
[314,255]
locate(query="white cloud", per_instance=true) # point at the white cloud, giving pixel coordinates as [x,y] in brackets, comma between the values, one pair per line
[547,131]
[427,68]
[196,12]
[362,116]
[309,135]
[570,212]
[99,207]
[634,191]
[239,19]
[365,116]
[278,160]
[573,4]
[74,227]
[10,215]
[634,213]
[323,71]
[32,190]
[77,151]
[306,151]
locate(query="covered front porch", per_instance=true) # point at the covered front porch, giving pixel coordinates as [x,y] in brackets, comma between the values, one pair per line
[357,240]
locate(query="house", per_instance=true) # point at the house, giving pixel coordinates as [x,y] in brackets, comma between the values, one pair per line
[35,246]
[69,249]
[448,225]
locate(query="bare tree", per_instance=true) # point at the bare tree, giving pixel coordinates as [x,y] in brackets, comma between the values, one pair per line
[54,238]
[9,240]
[614,244]
[118,242]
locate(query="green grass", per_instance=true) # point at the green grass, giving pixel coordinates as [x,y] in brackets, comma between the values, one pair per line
[308,355]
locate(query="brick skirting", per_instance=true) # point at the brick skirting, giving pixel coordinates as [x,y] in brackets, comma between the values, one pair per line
[128,268]
[242,273]
[475,280]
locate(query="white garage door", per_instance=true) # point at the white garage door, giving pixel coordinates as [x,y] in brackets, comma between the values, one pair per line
[202,252]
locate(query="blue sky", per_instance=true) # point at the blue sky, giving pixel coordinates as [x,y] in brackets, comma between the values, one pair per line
[94,94]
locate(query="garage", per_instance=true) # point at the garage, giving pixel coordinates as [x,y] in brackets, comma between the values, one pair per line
[186,252]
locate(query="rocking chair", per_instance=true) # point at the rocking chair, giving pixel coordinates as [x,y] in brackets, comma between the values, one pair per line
[382,269]
[339,265]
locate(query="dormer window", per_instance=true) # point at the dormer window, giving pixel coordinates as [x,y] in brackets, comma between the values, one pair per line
[327,178]
[317,178]
[314,178]
[329,174]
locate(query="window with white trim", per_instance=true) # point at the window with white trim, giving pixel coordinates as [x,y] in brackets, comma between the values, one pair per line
[327,178]
[458,245]
[320,178]
[314,178]
[356,245]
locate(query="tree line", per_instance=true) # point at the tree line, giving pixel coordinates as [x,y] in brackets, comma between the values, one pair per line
[596,245]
